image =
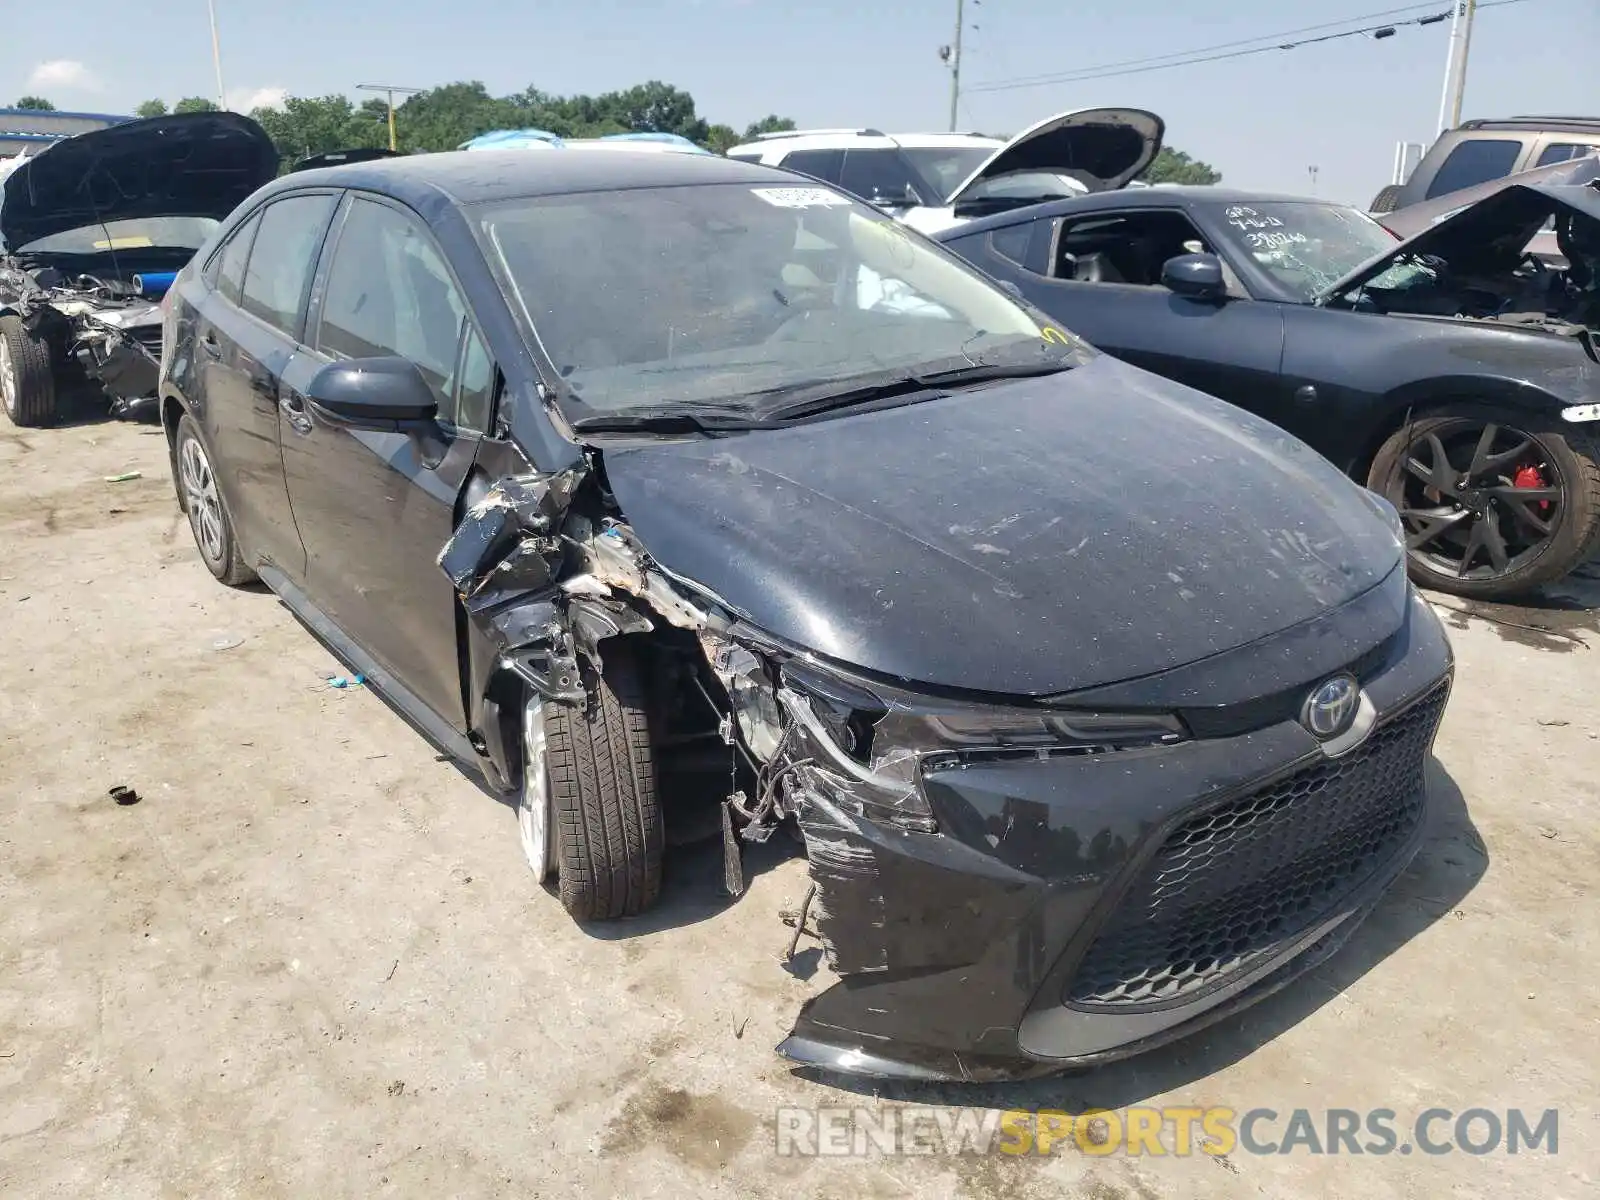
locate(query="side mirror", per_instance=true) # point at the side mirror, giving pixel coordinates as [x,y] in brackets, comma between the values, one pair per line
[1197,276]
[374,390]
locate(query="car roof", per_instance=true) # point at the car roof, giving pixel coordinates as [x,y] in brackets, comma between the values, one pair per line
[1164,196]
[836,139]
[484,176]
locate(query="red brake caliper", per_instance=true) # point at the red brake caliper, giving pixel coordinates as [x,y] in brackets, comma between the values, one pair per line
[1531,477]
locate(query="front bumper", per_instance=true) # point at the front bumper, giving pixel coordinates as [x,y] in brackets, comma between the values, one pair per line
[1077,910]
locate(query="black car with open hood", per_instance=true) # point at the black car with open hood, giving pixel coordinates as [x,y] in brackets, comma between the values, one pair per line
[93,230]
[660,486]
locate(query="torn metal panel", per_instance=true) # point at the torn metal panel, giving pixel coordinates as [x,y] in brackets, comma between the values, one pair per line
[616,559]
[507,542]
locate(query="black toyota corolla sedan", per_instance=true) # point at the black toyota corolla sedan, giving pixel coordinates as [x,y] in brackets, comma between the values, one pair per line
[639,482]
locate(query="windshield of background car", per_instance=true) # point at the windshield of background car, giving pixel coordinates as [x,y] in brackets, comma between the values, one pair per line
[711,294]
[139,233]
[1304,246]
[946,166]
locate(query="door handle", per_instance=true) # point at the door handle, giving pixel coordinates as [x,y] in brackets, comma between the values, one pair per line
[210,345]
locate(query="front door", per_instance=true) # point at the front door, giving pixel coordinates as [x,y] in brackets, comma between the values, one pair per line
[374,507]
[1104,283]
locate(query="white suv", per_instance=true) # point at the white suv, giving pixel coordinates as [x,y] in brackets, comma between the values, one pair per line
[934,181]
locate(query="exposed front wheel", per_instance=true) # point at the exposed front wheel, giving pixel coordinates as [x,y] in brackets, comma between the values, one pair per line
[1494,502]
[588,808]
[27,381]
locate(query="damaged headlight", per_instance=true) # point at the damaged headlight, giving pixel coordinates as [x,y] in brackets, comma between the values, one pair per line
[884,739]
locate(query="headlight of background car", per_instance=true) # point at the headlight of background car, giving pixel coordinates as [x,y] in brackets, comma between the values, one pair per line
[882,739]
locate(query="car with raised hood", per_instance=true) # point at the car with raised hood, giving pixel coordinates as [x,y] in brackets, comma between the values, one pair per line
[92,231]
[935,181]
[1455,373]
[654,486]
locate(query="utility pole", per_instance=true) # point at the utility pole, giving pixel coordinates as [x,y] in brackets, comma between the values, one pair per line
[389,90]
[216,55]
[1312,171]
[955,68]
[1455,65]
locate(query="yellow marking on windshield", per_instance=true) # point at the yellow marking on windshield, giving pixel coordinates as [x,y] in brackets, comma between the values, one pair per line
[137,242]
[1051,334]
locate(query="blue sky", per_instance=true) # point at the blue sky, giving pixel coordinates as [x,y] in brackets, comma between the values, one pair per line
[1262,119]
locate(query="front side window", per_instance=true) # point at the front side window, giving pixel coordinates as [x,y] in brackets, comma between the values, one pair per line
[283,257]
[713,294]
[819,164]
[1472,162]
[884,177]
[1305,247]
[1128,248]
[390,293]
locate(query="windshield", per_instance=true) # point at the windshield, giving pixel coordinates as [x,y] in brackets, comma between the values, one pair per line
[140,233]
[946,166]
[1305,246]
[710,295]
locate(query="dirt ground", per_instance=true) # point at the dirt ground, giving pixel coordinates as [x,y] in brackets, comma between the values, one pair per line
[311,962]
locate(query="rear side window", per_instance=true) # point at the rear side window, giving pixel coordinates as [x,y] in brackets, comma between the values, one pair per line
[1013,242]
[1562,151]
[819,164]
[229,278]
[282,259]
[389,292]
[1472,162]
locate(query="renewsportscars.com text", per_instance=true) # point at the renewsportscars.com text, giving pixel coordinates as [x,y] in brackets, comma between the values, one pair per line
[847,1131]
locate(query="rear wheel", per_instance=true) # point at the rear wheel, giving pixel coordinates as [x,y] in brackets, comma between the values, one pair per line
[1495,502]
[208,517]
[602,827]
[27,382]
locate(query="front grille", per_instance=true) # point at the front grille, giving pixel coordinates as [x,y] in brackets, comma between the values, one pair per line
[1236,883]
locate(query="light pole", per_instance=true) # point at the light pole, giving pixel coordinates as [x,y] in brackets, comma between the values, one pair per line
[390,89]
[216,55]
[1455,64]
[1312,171]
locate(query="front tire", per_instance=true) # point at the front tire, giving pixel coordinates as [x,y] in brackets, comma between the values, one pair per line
[201,500]
[601,775]
[27,381]
[1495,502]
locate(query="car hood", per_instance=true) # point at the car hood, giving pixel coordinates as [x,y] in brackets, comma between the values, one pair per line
[1488,236]
[1414,218]
[1103,148]
[186,165]
[1025,538]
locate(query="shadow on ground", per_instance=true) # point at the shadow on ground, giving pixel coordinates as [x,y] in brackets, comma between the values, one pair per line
[1449,865]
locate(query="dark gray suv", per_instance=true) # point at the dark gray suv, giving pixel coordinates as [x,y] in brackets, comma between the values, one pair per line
[1491,149]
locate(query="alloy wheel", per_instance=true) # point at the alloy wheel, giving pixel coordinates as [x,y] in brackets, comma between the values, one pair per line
[1479,500]
[201,500]
[533,803]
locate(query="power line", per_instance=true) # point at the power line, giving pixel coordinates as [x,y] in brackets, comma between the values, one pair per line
[1185,58]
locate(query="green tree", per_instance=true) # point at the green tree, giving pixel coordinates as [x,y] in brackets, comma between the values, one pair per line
[721,138]
[307,125]
[152,108]
[1174,166]
[36,103]
[767,124]
[194,104]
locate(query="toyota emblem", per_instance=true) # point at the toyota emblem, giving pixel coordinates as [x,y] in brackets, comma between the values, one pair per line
[1331,707]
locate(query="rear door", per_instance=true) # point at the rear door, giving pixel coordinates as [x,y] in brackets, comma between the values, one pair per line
[374,507]
[246,336]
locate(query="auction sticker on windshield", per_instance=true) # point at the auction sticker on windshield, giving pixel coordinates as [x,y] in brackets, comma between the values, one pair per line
[801,197]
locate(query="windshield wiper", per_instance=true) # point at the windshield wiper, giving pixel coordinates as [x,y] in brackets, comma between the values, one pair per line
[911,388]
[668,419]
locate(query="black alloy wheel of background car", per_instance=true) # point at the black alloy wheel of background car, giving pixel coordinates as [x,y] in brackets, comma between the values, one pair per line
[1493,502]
